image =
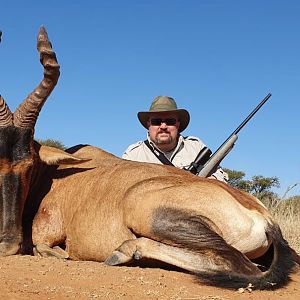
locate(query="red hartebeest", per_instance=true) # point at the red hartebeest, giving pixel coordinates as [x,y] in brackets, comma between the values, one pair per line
[117,211]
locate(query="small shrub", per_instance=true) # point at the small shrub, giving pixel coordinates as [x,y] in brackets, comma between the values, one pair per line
[52,143]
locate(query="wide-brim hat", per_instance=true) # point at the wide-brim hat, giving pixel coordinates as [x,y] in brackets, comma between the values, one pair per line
[162,104]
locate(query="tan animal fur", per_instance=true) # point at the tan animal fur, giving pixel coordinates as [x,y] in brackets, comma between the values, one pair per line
[87,204]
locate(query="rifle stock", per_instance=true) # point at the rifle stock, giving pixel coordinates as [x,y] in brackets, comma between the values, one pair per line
[217,157]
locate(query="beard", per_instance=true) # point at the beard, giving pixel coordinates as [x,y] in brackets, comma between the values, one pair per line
[163,140]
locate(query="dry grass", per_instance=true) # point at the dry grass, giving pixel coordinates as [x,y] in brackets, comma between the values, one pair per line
[287,214]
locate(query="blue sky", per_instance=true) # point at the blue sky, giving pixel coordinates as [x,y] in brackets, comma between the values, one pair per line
[218,59]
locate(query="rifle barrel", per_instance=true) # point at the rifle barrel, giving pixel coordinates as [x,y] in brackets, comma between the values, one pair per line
[252,113]
[223,150]
[247,119]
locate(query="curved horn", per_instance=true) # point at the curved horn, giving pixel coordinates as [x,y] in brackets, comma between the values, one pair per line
[27,113]
[5,114]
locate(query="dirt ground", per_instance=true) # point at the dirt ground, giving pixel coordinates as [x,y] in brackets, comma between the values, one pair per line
[28,277]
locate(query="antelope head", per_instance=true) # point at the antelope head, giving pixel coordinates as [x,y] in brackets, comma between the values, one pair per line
[17,152]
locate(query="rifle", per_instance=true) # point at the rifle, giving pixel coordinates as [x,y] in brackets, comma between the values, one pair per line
[205,163]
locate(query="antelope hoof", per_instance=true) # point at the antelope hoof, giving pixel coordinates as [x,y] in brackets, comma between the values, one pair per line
[137,255]
[117,258]
[45,251]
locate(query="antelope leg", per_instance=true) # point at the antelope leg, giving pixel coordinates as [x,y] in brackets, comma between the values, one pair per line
[46,251]
[146,248]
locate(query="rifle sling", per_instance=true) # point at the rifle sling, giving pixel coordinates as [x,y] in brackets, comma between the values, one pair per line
[158,154]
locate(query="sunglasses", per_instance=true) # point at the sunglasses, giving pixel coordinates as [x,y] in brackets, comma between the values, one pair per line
[159,121]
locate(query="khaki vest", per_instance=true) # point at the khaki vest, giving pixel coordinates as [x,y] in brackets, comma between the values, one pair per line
[183,155]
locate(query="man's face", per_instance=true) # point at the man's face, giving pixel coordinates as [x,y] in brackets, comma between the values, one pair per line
[163,130]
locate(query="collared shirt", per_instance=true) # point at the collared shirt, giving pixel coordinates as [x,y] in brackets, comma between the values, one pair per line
[182,156]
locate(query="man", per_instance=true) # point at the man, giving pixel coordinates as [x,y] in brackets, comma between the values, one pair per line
[165,144]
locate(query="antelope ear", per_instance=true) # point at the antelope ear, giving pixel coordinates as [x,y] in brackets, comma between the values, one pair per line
[54,156]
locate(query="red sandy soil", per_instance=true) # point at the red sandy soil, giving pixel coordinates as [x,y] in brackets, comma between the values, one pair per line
[29,277]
